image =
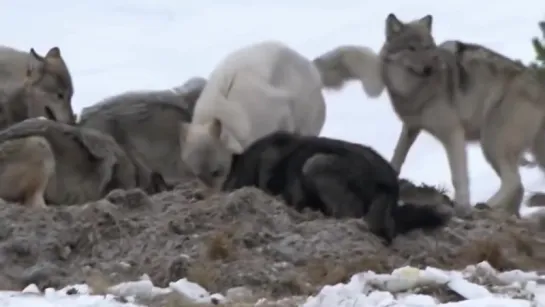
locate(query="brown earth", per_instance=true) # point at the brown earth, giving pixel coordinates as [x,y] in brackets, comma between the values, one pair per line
[244,238]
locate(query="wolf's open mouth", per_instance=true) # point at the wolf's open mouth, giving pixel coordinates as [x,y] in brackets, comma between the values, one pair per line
[49,114]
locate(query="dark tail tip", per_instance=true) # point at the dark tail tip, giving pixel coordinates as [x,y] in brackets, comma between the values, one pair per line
[409,217]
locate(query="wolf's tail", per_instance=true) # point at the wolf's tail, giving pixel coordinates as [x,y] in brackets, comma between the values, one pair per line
[409,216]
[347,63]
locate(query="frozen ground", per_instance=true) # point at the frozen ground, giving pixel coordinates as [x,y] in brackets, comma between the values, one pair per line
[113,46]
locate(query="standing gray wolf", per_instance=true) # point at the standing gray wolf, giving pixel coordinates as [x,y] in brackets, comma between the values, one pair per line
[26,164]
[461,97]
[32,85]
[256,90]
[145,124]
[88,164]
[339,178]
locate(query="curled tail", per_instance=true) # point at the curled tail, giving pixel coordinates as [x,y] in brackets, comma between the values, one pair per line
[347,63]
[409,216]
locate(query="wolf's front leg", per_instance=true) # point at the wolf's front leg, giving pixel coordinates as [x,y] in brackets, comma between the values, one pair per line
[455,147]
[406,139]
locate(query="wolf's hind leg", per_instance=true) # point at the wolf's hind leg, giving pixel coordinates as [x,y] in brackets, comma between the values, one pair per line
[28,164]
[507,134]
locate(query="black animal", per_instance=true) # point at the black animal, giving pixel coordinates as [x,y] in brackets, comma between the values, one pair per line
[339,178]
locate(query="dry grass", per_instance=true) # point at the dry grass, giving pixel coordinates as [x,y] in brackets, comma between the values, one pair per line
[320,272]
[205,274]
[220,246]
[98,282]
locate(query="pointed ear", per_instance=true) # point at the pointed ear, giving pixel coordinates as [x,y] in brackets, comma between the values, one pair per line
[35,55]
[426,21]
[231,142]
[393,25]
[54,52]
[34,62]
[215,128]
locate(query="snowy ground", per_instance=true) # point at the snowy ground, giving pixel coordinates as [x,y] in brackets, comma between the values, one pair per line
[478,285]
[113,46]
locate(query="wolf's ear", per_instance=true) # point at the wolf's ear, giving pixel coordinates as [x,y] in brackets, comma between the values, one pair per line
[34,62]
[35,55]
[54,52]
[393,25]
[426,21]
[229,140]
[215,128]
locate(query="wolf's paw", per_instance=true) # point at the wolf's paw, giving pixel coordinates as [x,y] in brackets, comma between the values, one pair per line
[482,206]
[463,211]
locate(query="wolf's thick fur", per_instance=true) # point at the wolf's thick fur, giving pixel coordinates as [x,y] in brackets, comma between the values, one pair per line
[351,63]
[462,95]
[88,165]
[32,85]
[256,90]
[145,124]
[339,178]
[26,165]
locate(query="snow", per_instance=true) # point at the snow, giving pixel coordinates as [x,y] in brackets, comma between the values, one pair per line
[114,46]
[364,289]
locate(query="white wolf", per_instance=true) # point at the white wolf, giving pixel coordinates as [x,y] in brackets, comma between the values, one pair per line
[256,90]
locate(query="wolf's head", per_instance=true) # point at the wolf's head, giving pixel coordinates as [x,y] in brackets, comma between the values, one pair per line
[207,150]
[49,87]
[410,46]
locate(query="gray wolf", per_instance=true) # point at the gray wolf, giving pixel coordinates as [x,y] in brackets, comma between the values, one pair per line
[462,95]
[26,164]
[146,125]
[88,164]
[33,85]
[255,90]
[339,178]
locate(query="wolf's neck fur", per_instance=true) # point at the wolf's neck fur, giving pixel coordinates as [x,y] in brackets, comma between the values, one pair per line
[16,106]
[408,93]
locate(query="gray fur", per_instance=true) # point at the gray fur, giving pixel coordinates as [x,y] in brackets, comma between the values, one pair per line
[462,95]
[145,124]
[26,166]
[88,164]
[33,85]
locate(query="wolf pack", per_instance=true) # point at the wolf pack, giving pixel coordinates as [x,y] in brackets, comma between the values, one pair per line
[256,121]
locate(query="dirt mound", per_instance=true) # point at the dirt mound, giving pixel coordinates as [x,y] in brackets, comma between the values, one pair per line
[244,238]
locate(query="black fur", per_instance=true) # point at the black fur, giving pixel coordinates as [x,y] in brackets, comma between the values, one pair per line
[339,178]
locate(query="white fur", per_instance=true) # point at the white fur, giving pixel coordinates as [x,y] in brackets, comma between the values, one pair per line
[260,89]
[351,63]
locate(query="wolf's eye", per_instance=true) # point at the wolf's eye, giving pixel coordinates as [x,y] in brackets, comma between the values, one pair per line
[60,95]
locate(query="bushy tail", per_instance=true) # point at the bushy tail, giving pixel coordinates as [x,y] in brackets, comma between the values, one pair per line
[409,216]
[347,63]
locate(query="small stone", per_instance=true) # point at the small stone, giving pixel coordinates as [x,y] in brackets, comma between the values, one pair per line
[238,294]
